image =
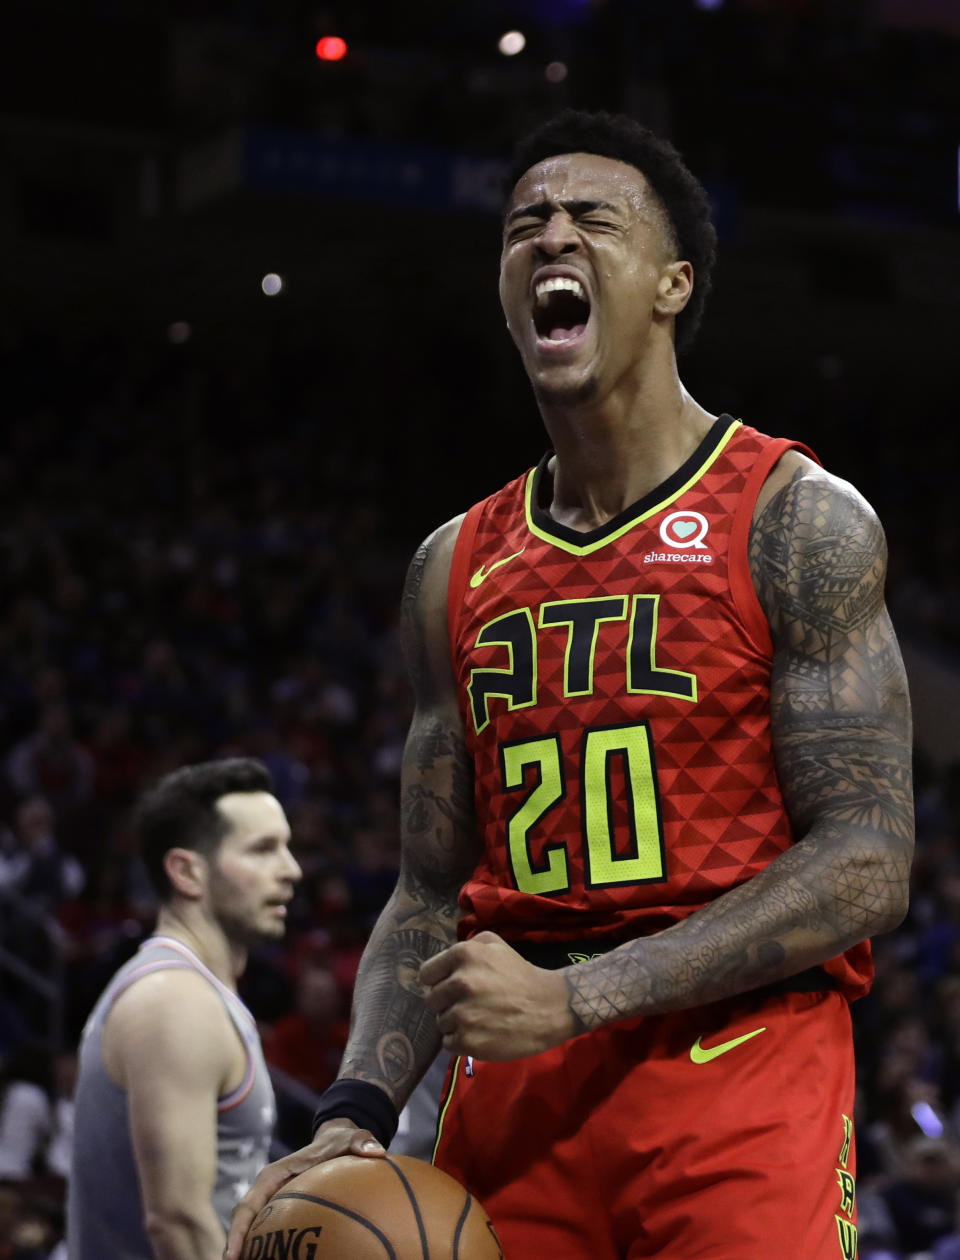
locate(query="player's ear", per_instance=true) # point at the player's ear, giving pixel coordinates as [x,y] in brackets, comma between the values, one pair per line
[187,872]
[674,288]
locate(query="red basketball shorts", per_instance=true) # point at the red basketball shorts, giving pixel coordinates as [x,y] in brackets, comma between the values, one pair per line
[723,1133]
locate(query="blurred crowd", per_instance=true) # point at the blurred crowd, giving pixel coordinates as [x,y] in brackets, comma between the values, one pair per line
[201,561]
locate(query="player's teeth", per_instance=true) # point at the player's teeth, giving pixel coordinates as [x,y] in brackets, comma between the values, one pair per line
[560,282]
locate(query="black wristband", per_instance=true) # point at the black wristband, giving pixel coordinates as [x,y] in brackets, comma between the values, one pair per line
[365,1104]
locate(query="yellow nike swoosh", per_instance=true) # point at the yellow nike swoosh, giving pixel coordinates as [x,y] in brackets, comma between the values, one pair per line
[483,572]
[699,1055]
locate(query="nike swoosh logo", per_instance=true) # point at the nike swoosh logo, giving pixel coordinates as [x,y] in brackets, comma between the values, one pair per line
[483,572]
[699,1055]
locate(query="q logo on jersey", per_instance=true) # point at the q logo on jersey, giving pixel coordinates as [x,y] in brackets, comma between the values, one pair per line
[684,529]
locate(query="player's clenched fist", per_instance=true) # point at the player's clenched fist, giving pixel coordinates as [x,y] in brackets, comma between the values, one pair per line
[491,1003]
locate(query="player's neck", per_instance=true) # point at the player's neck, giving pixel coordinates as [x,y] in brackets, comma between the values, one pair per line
[612,452]
[225,958]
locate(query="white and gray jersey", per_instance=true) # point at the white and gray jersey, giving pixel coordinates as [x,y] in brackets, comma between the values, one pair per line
[104,1208]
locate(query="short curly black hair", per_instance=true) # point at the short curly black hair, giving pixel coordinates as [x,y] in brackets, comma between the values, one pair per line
[682,196]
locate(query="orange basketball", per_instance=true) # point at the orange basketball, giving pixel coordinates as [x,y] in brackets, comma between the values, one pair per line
[352,1208]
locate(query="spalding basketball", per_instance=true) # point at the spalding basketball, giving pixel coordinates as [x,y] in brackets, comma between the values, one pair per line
[351,1208]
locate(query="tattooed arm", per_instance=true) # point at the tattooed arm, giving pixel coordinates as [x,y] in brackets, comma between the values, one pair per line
[841,731]
[393,1035]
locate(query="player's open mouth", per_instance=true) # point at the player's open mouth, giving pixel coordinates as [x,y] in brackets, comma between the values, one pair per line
[561,311]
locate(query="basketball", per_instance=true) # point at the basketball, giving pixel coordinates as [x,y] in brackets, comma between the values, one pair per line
[397,1208]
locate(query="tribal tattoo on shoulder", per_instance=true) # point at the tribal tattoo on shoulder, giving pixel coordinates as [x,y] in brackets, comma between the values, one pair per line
[841,728]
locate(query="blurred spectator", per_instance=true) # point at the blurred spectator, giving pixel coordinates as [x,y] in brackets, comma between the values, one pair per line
[36,1120]
[33,864]
[308,1043]
[921,1201]
[894,1107]
[31,1226]
[119,757]
[27,1230]
[50,763]
[26,1120]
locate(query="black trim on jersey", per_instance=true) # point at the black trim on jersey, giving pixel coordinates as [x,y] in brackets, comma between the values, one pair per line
[543,520]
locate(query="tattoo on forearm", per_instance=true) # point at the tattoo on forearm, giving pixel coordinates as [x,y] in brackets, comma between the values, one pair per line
[393,1033]
[438,791]
[772,926]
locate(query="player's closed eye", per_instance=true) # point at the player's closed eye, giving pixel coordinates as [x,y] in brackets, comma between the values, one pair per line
[526,228]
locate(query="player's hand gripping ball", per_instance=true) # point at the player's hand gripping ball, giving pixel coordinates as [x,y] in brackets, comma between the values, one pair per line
[352,1208]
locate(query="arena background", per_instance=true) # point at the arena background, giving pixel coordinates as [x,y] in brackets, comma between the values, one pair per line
[210,490]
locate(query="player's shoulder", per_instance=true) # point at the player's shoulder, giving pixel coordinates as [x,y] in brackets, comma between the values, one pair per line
[163,1016]
[443,540]
[174,995]
[800,492]
[815,541]
[429,571]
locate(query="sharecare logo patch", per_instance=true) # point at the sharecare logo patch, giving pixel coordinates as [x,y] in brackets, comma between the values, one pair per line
[681,530]
[683,533]
[674,557]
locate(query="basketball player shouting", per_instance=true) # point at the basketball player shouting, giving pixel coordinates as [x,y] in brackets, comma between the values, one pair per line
[174,1107]
[657,786]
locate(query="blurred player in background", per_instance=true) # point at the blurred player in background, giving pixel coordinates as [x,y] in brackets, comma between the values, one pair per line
[174,1107]
[656,791]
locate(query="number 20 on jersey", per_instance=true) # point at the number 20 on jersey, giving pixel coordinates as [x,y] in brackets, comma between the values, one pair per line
[606,865]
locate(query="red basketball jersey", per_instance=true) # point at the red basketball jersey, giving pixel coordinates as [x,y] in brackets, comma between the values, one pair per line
[615,688]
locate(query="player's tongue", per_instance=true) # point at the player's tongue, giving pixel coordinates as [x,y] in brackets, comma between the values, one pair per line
[564,332]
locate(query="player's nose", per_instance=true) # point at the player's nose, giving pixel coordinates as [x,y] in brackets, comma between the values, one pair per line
[292,870]
[558,236]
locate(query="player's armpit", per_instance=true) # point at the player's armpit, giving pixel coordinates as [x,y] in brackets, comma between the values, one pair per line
[841,733]
[394,1036]
[176,1046]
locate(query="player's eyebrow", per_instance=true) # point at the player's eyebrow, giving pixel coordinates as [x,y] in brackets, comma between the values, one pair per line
[544,209]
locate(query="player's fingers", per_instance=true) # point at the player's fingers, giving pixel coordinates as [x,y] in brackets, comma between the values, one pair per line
[447,1024]
[438,998]
[439,967]
[364,1143]
[487,938]
[265,1187]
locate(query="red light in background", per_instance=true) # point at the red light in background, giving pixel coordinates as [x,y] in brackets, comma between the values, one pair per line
[331,48]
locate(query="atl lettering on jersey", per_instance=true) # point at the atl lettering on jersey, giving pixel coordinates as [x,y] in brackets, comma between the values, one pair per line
[615,689]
